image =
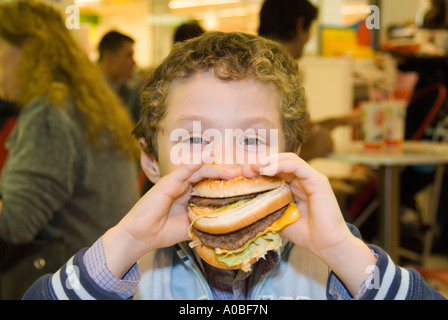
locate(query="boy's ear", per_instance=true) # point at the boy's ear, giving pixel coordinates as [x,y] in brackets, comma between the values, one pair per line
[148,164]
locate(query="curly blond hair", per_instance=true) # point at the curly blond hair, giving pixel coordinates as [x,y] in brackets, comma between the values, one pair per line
[53,66]
[233,57]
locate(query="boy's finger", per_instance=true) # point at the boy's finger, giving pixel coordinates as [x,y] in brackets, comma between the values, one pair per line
[269,165]
[184,172]
[287,166]
[297,168]
[266,161]
[224,172]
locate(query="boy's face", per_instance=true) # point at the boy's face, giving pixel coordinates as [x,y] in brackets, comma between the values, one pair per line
[238,120]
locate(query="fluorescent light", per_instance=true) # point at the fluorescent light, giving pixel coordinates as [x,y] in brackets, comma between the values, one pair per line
[178,4]
[83,2]
[232,12]
[354,9]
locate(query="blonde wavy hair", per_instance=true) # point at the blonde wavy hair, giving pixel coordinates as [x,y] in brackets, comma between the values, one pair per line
[233,57]
[54,66]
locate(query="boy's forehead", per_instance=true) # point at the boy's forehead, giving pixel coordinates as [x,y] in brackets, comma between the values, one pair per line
[210,122]
[204,96]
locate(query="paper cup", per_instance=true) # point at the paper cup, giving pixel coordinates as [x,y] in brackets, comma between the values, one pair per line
[394,122]
[372,124]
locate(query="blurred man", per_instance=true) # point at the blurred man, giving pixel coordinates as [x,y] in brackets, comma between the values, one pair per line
[187,31]
[116,60]
[288,22]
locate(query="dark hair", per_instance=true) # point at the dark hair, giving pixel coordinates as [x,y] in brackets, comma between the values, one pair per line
[187,31]
[435,18]
[112,41]
[278,18]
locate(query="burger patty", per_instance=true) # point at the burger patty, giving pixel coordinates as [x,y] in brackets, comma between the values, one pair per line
[236,239]
[219,202]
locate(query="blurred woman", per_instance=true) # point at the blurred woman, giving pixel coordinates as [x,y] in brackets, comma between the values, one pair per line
[71,170]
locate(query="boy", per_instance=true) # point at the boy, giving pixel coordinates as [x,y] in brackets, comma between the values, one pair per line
[250,86]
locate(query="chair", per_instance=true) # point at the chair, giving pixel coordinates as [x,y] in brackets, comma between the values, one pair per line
[415,128]
[5,131]
[418,120]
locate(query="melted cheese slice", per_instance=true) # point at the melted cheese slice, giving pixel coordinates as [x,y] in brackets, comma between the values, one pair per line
[290,216]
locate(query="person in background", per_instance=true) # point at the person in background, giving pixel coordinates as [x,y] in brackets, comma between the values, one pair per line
[70,173]
[436,16]
[288,22]
[432,72]
[116,61]
[187,31]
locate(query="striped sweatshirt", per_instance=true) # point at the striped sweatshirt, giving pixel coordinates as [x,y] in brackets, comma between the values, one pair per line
[174,274]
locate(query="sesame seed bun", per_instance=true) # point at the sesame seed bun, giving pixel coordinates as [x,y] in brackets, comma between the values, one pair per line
[236,187]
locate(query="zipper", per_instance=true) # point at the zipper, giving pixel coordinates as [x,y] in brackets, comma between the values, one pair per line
[185,256]
[284,250]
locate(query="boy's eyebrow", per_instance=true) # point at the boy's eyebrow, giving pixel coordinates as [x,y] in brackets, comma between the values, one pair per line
[262,122]
[184,120]
[189,118]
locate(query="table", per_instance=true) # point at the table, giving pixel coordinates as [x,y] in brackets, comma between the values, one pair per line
[389,164]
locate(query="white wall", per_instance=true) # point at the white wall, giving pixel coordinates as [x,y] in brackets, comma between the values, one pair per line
[329,93]
[397,12]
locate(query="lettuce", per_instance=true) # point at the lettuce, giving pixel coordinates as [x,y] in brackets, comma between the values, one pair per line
[255,248]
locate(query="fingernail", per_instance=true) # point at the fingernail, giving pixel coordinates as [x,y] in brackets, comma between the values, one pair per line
[208,158]
[263,160]
[268,171]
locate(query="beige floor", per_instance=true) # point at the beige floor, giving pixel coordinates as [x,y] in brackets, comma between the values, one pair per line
[437,262]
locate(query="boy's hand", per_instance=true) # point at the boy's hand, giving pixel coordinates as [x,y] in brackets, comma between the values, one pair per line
[321,225]
[321,228]
[159,219]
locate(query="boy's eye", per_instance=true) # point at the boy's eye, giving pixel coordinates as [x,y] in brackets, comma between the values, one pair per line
[252,141]
[197,140]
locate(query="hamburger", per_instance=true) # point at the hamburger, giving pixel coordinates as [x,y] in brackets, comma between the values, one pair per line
[235,222]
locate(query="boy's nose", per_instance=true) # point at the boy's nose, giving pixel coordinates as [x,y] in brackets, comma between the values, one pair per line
[230,153]
[224,152]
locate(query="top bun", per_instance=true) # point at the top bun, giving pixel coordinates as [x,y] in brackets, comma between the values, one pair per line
[211,188]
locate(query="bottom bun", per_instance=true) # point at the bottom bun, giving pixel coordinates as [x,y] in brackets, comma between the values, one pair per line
[208,255]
